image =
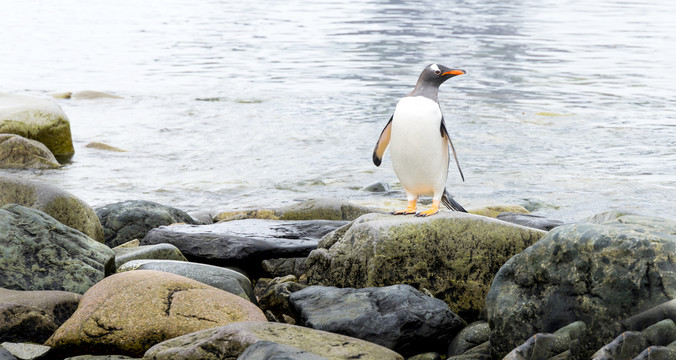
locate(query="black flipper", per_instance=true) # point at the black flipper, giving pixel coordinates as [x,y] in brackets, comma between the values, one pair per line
[383,142]
[450,203]
[444,133]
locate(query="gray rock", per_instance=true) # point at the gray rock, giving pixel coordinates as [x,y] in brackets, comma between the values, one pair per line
[17,152]
[274,298]
[37,119]
[230,341]
[658,353]
[157,252]
[632,343]
[323,209]
[529,220]
[26,351]
[32,316]
[218,277]
[268,350]
[653,315]
[129,220]
[452,255]
[598,274]
[398,317]
[59,204]
[100,357]
[378,186]
[479,352]
[5,354]
[44,254]
[243,243]
[285,266]
[546,346]
[426,356]
[470,336]
[607,216]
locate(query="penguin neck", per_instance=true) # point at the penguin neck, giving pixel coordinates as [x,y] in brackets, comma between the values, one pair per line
[426,90]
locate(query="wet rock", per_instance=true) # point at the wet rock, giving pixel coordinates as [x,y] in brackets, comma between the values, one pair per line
[243,243]
[232,340]
[398,317]
[17,152]
[452,255]
[274,298]
[470,336]
[91,95]
[100,357]
[529,220]
[32,316]
[631,343]
[102,146]
[5,354]
[598,274]
[59,204]
[607,216]
[495,210]
[378,186]
[37,119]
[315,209]
[426,356]
[658,353]
[129,220]
[651,316]
[129,312]
[546,346]
[285,266]
[268,350]
[25,351]
[44,254]
[479,352]
[218,277]
[158,252]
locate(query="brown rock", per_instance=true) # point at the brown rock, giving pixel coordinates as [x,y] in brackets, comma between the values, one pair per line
[17,152]
[129,312]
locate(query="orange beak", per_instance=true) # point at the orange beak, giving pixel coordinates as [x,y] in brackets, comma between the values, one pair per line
[454,72]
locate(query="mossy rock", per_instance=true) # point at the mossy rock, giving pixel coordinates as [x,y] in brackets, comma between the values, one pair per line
[495,210]
[453,256]
[315,209]
[38,119]
[17,152]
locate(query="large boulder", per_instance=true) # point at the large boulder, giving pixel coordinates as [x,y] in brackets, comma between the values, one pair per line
[398,317]
[221,278]
[32,316]
[59,204]
[230,341]
[129,220]
[40,253]
[129,312]
[243,243]
[38,119]
[599,274]
[314,209]
[452,255]
[17,152]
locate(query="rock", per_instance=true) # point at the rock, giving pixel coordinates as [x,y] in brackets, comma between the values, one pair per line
[158,252]
[25,351]
[398,317]
[479,352]
[316,209]
[91,95]
[44,254]
[32,316]
[653,315]
[598,274]
[5,354]
[268,350]
[546,346]
[37,119]
[658,353]
[274,298]
[104,147]
[631,343]
[607,216]
[452,255]
[529,220]
[495,210]
[285,266]
[472,335]
[426,356]
[60,204]
[100,357]
[17,152]
[129,312]
[129,220]
[243,243]
[218,277]
[230,341]
[378,186]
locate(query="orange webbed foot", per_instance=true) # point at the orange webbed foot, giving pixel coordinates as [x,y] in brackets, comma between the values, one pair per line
[410,209]
[431,211]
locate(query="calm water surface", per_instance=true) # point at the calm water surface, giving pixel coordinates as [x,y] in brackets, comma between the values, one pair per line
[567,107]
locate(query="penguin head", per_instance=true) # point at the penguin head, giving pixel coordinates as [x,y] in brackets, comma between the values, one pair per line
[436,74]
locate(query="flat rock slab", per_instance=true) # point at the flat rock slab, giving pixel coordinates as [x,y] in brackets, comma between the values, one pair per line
[159,252]
[230,341]
[268,350]
[243,242]
[398,317]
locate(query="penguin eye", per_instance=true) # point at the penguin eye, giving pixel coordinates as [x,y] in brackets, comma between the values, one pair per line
[437,72]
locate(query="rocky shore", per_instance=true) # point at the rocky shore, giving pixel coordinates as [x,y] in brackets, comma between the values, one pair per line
[323,279]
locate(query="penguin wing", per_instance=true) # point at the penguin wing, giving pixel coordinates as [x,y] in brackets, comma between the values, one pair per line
[444,134]
[383,142]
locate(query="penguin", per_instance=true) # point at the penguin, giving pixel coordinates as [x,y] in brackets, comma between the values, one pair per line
[419,142]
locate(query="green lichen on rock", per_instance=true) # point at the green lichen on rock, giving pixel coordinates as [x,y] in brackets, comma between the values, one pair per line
[17,152]
[453,256]
[323,209]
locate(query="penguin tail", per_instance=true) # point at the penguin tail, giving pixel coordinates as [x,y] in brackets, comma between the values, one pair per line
[450,203]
